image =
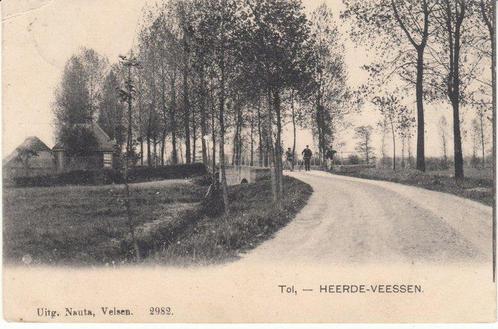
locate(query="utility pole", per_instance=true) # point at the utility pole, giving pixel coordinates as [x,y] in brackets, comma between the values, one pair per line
[127,95]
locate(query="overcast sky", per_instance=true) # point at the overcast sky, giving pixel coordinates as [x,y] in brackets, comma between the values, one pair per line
[40,35]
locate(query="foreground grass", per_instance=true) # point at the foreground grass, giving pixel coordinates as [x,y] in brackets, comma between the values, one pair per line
[477,185]
[86,225]
[252,219]
[82,225]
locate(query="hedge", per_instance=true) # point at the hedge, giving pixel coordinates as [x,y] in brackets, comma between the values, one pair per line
[112,176]
[141,174]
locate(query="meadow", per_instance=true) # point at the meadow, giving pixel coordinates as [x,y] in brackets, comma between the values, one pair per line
[87,225]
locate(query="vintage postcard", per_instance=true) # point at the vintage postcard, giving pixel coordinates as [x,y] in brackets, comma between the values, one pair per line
[250,161]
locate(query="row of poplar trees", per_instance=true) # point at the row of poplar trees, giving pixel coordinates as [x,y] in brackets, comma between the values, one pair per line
[211,74]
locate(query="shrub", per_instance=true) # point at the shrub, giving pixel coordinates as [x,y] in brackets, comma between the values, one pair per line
[204,180]
[475,162]
[212,205]
[75,177]
[385,162]
[353,159]
[433,163]
[112,176]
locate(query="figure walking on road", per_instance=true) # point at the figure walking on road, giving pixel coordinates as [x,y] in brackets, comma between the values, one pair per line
[289,159]
[307,157]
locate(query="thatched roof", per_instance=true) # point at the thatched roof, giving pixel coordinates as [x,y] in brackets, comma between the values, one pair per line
[31,143]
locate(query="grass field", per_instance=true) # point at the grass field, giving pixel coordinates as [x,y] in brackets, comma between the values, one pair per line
[472,173]
[85,225]
[252,219]
[477,185]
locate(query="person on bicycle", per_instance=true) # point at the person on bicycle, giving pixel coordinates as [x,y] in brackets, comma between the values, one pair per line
[329,157]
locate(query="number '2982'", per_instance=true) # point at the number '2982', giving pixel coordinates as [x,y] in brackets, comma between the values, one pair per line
[160,310]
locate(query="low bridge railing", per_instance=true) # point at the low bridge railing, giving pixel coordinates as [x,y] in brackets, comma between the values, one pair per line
[244,174]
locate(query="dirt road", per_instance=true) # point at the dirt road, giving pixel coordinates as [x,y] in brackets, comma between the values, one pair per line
[352,220]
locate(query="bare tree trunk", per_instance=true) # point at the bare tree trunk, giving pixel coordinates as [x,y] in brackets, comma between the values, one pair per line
[223,176]
[172,112]
[240,146]
[237,142]
[457,141]
[213,136]
[420,48]
[454,81]
[194,136]
[420,111]
[278,146]
[234,148]
[251,161]
[181,153]
[129,140]
[140,124]
[269,133]
[367,155]
[149,157]
[163,146]
[164,109]
[403,142]
[320,125]
[203,119]
[186,105]
[474,148]
[141,151]
[294,130]
[260,134]
[155,151]
[481,127]
[383,141]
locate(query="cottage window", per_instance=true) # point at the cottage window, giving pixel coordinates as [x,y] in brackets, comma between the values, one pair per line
[107,160]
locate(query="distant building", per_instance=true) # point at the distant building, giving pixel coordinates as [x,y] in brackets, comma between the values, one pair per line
[31,158]
[100,157]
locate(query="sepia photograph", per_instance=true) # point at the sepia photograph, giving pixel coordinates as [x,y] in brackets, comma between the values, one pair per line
[249,161]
